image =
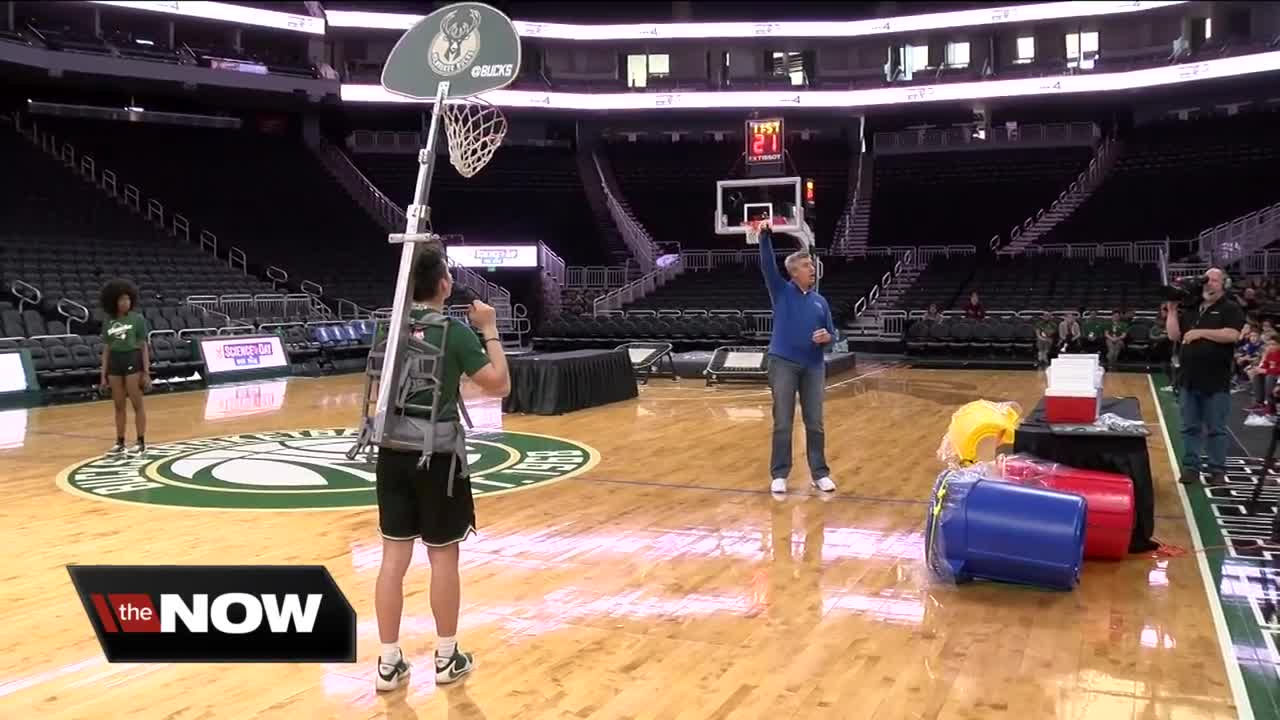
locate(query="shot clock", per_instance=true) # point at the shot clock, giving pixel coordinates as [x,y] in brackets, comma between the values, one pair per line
[764,146]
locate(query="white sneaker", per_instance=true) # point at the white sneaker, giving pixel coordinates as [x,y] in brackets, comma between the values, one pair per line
[778,486]
[451,669]
[1260,421]
[825,484]
[391,676]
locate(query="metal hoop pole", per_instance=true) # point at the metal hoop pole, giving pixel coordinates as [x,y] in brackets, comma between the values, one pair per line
[416,216]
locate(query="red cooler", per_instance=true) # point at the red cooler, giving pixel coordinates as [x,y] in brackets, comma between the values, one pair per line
[1108,499]
[1072,407]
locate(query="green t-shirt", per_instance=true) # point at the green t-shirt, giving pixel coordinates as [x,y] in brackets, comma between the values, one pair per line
[125,334]
[1094,328]
[1048,327]
[1118,329]
[463,354]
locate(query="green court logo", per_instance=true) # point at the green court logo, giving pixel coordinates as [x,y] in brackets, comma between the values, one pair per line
[304,470]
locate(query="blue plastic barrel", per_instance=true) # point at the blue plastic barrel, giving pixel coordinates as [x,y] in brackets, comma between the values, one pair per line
[992,530]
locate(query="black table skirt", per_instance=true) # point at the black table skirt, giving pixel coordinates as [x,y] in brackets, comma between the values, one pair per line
[1123,455]
[555,383]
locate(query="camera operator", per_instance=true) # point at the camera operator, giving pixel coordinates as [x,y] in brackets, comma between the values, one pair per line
[1205,336]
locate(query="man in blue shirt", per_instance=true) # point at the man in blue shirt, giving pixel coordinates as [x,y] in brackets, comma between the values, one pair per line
[802,331]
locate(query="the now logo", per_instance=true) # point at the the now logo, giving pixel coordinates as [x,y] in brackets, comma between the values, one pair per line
[217,613]
[135,612]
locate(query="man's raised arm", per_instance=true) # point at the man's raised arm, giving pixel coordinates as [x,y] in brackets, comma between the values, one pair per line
[773,279]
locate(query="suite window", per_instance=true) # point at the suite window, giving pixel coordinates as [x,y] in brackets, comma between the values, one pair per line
[918,57]
[642,67]
[1026,49]
[1082,49]
[788,64]
[958,54]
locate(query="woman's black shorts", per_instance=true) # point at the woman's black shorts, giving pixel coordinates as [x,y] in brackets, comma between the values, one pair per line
[124,363]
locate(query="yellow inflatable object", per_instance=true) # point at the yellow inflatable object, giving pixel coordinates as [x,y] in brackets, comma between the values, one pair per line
[977,429]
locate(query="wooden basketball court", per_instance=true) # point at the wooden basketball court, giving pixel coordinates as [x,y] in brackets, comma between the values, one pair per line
[659,579]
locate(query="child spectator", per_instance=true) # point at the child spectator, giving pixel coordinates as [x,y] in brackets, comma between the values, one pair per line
[1264,376]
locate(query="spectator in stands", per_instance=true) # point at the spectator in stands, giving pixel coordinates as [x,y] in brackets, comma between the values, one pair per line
[1267,326]
[1263,377]
[1248,352]
[1159,338]
[433,502]
[1069,333]
[933,314]
[802,331]
[1206,337]
[126,359]
[1046,334]
[1093,330]
[1249,301]
[974,310]
[1115,335]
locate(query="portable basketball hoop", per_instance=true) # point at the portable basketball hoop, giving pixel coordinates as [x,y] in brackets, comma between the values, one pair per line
[449,58]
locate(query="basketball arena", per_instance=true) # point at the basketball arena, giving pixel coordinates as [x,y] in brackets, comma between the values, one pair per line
[857,360]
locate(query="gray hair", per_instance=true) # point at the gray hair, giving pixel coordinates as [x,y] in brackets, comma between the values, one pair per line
[794,259]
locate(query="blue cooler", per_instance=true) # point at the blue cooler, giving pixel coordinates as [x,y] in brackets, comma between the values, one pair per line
[992,530]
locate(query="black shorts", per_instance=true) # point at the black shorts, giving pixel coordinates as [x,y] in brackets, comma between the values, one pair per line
[414,503]
[124,363]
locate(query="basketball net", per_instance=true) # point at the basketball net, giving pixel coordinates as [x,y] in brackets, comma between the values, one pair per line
[753,231]
[474,129]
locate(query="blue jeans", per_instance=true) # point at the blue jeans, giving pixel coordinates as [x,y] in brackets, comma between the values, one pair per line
[786,380]
[1208,411]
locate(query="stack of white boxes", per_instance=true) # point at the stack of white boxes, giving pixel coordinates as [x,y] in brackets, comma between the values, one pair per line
[1074,395]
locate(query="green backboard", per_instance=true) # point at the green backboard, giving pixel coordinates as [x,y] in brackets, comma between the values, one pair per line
[470,45]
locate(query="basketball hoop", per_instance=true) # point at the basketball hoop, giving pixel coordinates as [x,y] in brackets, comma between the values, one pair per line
[474,129]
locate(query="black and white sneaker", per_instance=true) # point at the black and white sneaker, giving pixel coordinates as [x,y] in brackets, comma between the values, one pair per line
[138,450]
[452,669]
[391,676]
[117,449]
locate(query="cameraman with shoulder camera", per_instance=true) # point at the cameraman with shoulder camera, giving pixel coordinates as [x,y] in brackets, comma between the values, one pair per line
[1205,336]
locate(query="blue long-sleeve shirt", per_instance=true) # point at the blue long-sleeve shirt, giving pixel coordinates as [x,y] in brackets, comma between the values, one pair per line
[796,314]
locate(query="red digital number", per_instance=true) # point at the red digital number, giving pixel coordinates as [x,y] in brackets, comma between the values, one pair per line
[765,141]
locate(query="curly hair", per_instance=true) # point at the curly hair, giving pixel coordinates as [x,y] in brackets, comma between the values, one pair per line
[111,293]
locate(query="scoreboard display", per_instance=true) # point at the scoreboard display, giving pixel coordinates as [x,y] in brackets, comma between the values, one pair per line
[764,142]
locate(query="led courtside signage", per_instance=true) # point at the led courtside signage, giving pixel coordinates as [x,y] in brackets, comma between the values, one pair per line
[494,256]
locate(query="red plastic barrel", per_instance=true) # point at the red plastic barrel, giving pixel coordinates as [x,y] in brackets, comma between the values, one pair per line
[1108,497]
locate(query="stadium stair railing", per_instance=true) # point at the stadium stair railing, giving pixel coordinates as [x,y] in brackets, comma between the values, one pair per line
[1239,239]
[1067,202]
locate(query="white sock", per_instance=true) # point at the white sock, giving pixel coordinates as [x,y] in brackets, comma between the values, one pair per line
[446,647]
[390,653]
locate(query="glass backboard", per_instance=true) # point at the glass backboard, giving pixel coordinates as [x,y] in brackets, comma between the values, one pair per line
[739,202]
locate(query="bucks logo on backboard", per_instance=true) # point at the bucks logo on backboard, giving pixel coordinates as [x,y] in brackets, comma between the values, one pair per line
[304,470]
[456,45]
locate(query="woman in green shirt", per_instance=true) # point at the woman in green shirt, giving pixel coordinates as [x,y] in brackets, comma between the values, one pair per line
[126,362]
